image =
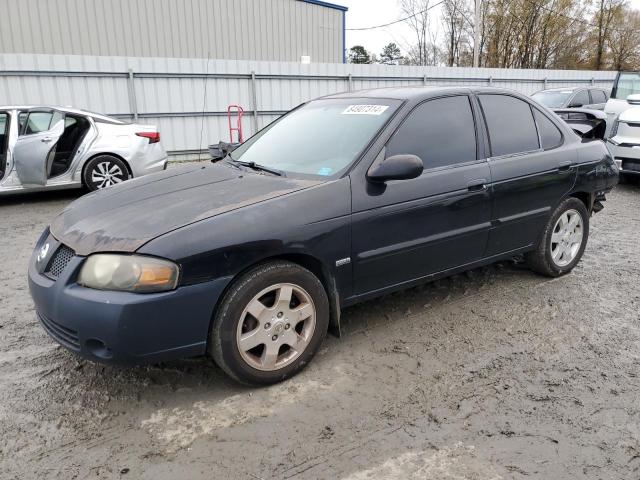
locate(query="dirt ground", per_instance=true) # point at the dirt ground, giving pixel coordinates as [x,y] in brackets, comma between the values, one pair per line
[494,374]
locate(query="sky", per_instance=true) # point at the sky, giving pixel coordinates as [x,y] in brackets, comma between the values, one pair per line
[365,13]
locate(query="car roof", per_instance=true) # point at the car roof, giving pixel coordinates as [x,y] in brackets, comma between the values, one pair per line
[570,89]
[416,92]
[77,111]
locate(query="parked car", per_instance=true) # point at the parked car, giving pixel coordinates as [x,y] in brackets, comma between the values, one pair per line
[625,84]
[345,198]
[52,147]
[573,97]
[624,141]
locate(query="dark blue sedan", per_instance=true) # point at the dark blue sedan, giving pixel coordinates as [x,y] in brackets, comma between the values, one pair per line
[345,198]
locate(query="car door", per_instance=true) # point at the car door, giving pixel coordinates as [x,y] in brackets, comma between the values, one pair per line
[405,230]
[530,168]
[38,135]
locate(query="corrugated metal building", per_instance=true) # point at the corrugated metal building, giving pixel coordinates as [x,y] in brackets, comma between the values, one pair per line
[272,30]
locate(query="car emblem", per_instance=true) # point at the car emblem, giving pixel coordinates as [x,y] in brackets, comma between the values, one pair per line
[42,254]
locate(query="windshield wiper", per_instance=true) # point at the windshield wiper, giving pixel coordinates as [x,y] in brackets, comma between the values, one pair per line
[257,166]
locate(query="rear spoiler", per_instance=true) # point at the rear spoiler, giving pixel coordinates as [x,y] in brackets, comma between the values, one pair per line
[589,124]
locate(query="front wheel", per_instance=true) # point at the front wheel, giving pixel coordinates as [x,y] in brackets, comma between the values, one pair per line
[270,323]
[104,171]
[563,240]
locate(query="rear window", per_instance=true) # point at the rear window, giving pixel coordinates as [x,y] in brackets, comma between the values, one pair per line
[510,123]
[550,135]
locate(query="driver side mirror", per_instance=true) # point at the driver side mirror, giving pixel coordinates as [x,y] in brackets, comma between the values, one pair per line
[396,167]
[633,99]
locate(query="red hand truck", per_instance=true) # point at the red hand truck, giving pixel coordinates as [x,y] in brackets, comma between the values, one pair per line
[238,111]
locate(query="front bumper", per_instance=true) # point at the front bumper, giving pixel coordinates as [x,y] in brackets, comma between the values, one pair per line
[122,327]
[626,156]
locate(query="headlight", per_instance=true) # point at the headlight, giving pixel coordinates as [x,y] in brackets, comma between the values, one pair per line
[129,273]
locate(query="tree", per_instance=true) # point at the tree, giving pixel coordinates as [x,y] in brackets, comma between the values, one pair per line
[417,12]
[623,41]
[390,54]
[454,16]
[358,54]
[607,11]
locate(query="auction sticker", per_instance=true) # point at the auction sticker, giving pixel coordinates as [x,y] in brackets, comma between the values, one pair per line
[365,109]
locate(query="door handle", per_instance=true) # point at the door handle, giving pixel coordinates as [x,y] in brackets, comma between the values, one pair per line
[477,185]
[566,165]
[46,139]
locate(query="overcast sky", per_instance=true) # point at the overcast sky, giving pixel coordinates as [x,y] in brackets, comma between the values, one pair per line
[365,13]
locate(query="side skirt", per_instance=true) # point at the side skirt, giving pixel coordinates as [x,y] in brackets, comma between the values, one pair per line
[433,276]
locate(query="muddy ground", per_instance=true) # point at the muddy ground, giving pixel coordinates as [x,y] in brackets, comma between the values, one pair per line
[494,374]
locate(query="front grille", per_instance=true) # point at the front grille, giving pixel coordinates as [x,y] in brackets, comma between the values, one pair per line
[65,336]
[59,262]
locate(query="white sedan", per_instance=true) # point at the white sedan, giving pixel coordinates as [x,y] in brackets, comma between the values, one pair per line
[624,142]
[45,148]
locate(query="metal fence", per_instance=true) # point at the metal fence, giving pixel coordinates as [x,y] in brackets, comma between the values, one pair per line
[188,98]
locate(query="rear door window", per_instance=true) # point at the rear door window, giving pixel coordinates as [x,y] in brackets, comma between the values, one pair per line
[510,122]
[34,122]
[429,129]
[550,135]
[4,133]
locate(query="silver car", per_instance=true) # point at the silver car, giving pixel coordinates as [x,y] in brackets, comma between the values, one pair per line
[45,148]
[592,98]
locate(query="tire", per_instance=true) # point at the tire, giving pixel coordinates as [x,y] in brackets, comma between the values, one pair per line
[104,171]
[548,257]
[243,344]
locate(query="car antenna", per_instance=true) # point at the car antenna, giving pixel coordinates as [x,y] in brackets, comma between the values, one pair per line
[204,105]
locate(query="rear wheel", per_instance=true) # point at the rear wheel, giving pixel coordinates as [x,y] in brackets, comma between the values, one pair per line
[563,241]
[270,323]
[104,171]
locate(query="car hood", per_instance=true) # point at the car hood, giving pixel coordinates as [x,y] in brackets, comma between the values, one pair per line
[615,106]
[631,115]
[125,217]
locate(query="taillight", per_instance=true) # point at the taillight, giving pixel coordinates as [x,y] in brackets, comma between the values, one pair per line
[154,137]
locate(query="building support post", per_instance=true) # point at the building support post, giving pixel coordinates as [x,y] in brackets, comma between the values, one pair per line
[133,104]
[254,101]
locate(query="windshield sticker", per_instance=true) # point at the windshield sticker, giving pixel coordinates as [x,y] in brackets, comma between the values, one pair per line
[365,109]
[325,171]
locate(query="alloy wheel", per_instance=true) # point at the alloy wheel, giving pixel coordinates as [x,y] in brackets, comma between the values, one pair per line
[566,238]
[105,174]
[276,327]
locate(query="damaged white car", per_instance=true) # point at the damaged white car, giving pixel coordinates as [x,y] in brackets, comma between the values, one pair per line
[45,148]
[624,142]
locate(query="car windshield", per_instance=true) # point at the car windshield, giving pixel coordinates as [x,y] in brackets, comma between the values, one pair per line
[552,98]
[628,84]
[321,138]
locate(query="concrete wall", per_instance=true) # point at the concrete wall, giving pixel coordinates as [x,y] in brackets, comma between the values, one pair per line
[273,30]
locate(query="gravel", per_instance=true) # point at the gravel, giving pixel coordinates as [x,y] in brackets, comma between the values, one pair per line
[497,373]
